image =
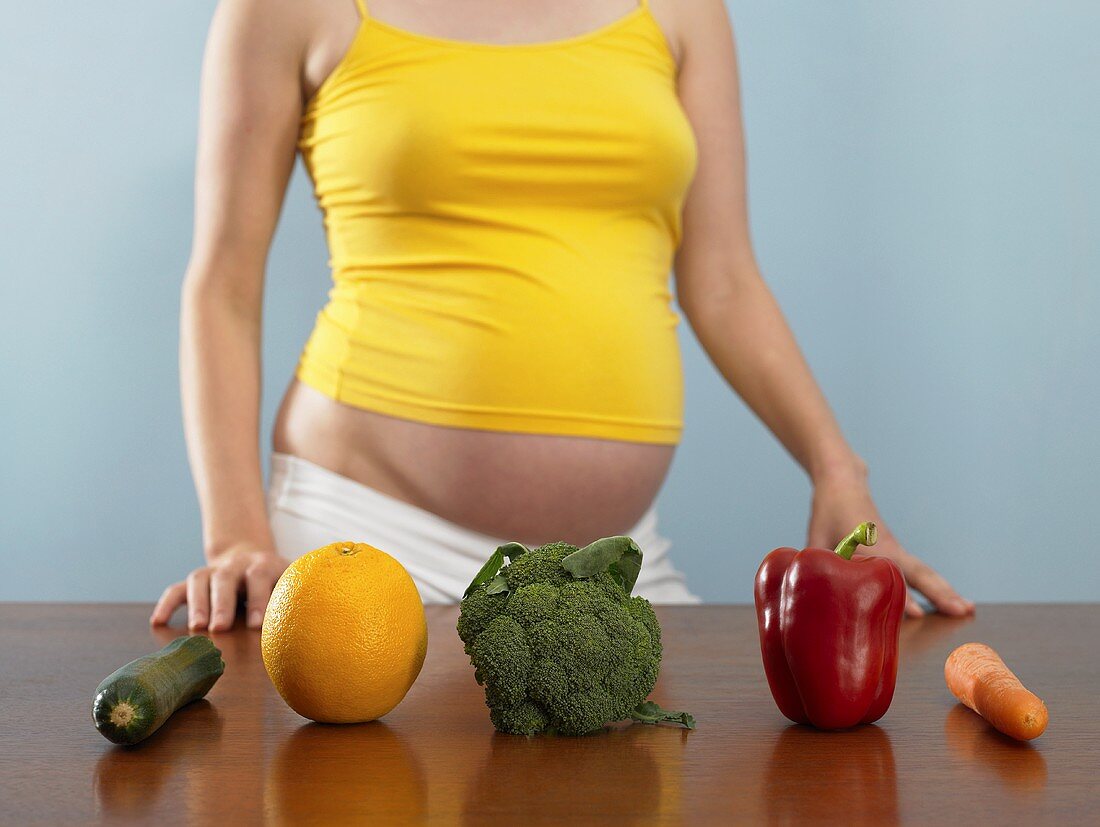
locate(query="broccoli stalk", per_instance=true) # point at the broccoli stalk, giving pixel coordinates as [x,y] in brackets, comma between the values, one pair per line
[559,643]
[649,713]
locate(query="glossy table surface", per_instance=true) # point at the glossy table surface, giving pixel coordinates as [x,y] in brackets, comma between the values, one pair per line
[241,756]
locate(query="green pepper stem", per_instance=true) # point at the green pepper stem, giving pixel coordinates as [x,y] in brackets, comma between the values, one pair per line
[865,534]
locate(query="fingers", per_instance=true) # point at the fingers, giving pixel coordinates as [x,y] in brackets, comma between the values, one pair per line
[211,592]
[924,579]
[225,585]
[172,598]
[928,582]
[198,598]
[259,581]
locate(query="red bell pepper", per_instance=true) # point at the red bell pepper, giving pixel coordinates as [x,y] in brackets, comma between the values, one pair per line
[829,630]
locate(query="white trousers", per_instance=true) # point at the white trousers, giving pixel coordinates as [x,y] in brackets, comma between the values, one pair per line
[310,506]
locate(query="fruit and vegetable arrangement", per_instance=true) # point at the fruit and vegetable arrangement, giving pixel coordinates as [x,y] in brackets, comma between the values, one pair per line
[829,633]
[562,647]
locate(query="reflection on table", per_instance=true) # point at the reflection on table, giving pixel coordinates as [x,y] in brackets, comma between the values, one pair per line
[977,748]
[811,772]
[351,772]
[629,774]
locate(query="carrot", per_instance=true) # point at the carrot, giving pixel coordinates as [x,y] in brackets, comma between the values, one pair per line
[978,677]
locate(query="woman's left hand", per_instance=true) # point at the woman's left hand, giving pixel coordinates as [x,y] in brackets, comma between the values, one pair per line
[838,506]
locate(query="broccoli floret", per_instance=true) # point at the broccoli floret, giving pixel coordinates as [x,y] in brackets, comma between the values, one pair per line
[525,718]
[503,660]
[540,565]
[479,609]
[533,603]
[556,652]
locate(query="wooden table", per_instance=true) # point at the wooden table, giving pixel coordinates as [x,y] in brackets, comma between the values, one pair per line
[243,757]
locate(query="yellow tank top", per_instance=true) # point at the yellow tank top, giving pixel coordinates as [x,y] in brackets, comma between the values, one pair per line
[501,220]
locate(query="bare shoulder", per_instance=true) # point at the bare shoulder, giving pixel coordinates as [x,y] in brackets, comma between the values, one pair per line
[701,28]
[269,23]
[266,36]
[692,27]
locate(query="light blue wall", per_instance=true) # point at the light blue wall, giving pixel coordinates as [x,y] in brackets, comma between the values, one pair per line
[928,169]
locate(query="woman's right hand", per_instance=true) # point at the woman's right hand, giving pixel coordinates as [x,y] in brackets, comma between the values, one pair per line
[211,592]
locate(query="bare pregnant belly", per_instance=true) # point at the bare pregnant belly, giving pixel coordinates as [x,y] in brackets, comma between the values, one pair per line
[528,487]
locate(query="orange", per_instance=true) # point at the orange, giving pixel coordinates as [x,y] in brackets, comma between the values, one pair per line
[344,636]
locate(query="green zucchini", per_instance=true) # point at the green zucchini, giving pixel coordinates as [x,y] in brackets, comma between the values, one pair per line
[133,701]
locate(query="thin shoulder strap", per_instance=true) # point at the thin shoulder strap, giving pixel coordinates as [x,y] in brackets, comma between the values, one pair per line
[643,3]
[362,6]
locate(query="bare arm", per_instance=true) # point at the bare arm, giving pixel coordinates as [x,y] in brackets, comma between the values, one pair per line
[250,105]
[736,317]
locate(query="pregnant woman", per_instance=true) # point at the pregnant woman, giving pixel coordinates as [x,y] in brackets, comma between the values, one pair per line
[506,187]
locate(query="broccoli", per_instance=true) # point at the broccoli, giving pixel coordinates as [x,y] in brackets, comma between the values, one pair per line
[558,642]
